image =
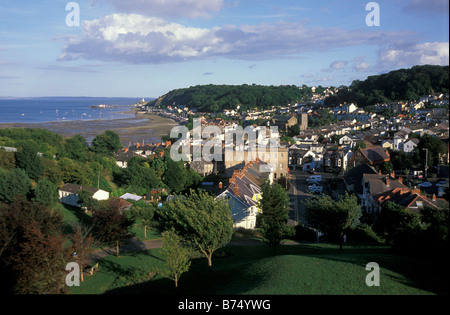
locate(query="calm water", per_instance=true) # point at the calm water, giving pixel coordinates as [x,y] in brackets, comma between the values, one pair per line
[37,110]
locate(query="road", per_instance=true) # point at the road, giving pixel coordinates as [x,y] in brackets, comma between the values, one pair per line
[298,193]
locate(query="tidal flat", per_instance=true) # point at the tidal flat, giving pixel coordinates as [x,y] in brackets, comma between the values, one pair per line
[147,128]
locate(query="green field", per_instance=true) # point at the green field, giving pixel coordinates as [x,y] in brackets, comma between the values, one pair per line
[254,270]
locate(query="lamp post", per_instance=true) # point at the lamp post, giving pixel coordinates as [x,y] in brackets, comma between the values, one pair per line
[426,162]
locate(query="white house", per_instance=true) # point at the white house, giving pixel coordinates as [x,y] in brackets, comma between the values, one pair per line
[410,145]
[68,194]
[347,141]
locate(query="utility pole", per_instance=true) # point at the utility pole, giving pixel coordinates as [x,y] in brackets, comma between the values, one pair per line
[426,162]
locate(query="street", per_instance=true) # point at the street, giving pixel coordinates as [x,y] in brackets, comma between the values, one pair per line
[298,193]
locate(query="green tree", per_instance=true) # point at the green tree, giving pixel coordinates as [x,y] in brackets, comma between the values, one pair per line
[142,212]
[139,175]
[46,193]
[294,130]
[73,172]
[333,217]
[200,219]
[436,230]
[106,143]
[387,167]
[394,219]
[14,183]
[176,256]
[435,148]
[274,206]
[175,175]
[27,159]
[7,159]
[86,200]
[77,148]
[360,145]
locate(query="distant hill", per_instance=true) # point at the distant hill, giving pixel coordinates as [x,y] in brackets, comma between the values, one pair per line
[213,98]
[398,85]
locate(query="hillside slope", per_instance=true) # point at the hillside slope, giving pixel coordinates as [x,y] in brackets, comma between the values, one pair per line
[212,98]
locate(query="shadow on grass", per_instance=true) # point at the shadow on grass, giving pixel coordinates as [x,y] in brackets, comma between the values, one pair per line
[199,280]
[234,270]
[426,275]
[79,214]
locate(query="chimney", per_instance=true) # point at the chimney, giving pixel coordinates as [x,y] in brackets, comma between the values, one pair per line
[379,172]
[393,174]
[415,191]
[125,150]
[387,181]
[138,145]
[433,197]
[236,190]
[400,179]
[168,143]
[220,185]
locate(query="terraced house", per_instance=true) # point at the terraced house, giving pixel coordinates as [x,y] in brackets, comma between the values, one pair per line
[244,192]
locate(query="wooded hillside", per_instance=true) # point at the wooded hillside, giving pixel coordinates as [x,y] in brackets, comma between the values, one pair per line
[213,98]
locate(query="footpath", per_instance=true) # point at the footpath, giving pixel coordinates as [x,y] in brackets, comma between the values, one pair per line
[134,244]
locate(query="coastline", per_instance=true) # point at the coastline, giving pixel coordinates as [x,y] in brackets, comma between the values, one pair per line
[140,128]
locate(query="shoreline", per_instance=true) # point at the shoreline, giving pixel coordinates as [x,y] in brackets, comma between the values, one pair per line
[140,128]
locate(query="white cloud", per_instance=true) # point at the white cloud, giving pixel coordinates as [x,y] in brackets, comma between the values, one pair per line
[362,66]
[168,8]
[436,53]
[133,38]
[338,65]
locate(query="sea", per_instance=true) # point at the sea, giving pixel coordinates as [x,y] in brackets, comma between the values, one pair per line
[51,109]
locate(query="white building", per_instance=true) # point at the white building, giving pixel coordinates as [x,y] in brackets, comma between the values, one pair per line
[68,194]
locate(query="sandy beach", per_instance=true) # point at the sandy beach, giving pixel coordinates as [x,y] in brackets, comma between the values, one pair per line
[145,128]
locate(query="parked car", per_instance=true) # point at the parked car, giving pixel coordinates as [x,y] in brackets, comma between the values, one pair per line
[425,184]
[314,179]
[315,188]
[441,183]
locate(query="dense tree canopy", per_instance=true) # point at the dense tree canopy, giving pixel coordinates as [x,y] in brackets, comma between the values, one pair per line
[399,85]
[213,98]
[106,143]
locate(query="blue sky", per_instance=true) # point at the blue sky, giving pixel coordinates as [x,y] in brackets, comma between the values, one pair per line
[145,48]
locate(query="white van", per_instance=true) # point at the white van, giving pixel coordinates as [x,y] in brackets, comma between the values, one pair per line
[314,179]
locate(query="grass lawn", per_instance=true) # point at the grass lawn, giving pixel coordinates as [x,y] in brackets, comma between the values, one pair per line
[138,230]
[254,270]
